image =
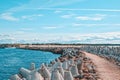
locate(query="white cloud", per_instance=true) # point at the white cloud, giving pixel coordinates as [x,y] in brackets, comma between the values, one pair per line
[30,17]
[94,25]
[67,16]
[76,9]
[49,4]
[88,25]
[77,24]
[26,29]
[57,11]
[96,17]
[52,3]
[50,27]
[100,15]
[43,4]
[8,16]
[68,9]
[20,32]
[108,37]
[6,38]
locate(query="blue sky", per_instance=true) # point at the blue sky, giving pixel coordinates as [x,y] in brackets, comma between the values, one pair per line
[63,21]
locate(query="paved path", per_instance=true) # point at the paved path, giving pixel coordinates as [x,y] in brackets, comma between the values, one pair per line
[106,70]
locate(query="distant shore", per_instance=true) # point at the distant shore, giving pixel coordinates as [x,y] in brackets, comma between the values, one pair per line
[51,47]
[55,45]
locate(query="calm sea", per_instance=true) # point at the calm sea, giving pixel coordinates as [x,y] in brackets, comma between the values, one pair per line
[11,60]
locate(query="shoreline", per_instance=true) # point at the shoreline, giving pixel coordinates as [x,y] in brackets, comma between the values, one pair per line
[71,65]
[58,49]
[62,48]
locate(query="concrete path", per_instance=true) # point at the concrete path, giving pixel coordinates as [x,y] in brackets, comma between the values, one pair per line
[106,70]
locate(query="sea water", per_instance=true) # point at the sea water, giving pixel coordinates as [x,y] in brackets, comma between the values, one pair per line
[11,60]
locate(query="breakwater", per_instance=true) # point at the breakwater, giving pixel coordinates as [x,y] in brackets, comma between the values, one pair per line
[71,65]
[109,52]
[87,70]
[57,49]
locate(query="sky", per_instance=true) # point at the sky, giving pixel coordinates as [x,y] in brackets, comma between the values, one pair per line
[60,21]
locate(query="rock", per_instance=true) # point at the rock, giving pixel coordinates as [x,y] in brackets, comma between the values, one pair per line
[15,77]
[24,72]
[68,76]
[32,66]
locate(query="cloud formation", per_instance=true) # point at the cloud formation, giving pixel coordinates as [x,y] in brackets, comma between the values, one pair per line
[77,9]
[96,17]
[43,4]
[50,27]
[108,37]
[89,18]
[30,17]
[67,16]
[8,16]
[94,25]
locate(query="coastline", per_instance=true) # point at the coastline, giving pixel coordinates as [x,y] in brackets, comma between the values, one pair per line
[71,65]
[61,49]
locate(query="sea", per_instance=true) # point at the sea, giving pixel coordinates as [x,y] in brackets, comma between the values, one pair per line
[12,59]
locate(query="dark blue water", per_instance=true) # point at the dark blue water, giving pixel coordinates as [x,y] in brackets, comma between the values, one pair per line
[11,60]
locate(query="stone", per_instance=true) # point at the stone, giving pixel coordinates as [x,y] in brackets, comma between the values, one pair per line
[68,76]
[32,66]
[15,77]
[24,72]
